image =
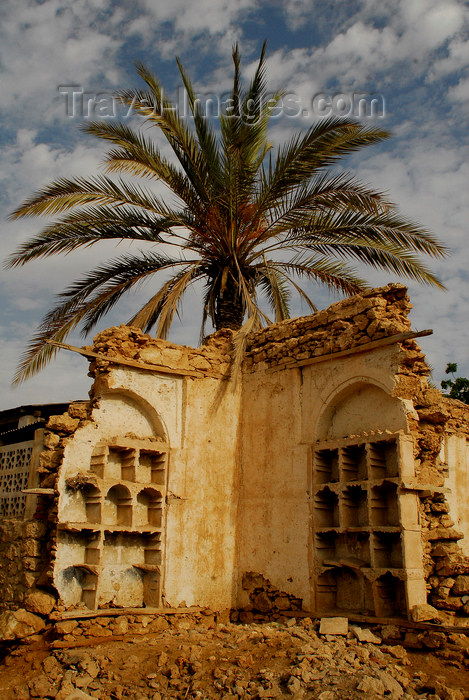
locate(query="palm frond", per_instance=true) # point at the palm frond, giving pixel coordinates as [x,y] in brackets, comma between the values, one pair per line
[64,194]
[275,289]
[242,220]
[90,225]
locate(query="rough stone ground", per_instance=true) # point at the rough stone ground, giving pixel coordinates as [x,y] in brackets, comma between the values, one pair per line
[234,661]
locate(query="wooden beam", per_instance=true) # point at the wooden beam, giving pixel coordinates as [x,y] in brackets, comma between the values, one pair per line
[366,347]
[115,612]
[139,365]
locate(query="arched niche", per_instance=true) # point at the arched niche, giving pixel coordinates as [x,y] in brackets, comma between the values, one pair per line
[118,506]
[357,407]
[79,586]
[92,498]
[131,413]
[121,586]
[148,509]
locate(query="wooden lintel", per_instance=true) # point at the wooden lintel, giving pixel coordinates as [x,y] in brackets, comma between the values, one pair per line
[366,347]
[39,492]
[113,612]
[138,365]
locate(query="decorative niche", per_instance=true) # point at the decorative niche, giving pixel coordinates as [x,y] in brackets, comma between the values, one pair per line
[359,540]
[114,538]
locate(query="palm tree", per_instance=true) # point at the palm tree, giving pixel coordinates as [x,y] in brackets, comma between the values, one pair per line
[239,220]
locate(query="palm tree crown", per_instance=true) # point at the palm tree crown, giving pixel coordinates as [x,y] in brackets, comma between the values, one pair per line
[242,222]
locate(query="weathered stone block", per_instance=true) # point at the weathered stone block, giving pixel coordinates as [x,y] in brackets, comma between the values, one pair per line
[66,626]
[461,585]
[424,612]
[365,635]
[442,533]
[261,602]
[40,602]
[282,602]
[51,440]
[62,424]
[361,322]
[31,548]
[50,459]
[334,625]
[35,528]
[79,410]
[433,414]
[198,362]
[371,687]
[19,624]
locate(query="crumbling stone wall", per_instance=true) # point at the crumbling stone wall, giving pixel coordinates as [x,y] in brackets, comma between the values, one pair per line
[213,358]
[23,560]
[347,324]
[265,600]
[435,418]
[446,566]
[27,546]
[200,467]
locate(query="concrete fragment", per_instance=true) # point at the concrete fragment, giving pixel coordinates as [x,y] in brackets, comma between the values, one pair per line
[366,635]
[19,624]
[334,625]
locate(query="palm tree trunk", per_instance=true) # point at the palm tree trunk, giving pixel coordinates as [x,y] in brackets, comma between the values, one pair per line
[230,310]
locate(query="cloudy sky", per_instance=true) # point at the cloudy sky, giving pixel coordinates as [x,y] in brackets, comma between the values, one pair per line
[61,61]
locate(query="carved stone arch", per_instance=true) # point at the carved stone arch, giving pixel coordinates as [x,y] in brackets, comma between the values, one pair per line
[359,405]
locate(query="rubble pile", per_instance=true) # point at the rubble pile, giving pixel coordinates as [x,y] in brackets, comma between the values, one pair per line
[265,600]
[198,658]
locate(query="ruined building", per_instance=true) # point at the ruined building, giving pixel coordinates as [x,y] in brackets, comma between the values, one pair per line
[330,476]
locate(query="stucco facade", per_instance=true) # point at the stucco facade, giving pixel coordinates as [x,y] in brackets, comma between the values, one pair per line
[319,478]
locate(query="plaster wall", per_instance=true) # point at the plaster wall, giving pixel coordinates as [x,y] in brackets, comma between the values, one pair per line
[274,508]
[455,454]
[284,414]
[351,396]
[171,415]
[202,498]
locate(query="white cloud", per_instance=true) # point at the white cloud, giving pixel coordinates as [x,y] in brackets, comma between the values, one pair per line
[460,92]
[377,36]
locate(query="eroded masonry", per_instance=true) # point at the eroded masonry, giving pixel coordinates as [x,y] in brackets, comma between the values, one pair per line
[330,476]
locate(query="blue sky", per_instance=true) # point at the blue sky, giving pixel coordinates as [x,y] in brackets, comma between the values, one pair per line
[412,55]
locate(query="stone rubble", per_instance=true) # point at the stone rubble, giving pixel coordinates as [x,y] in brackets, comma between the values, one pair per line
[196,657]
[347,324]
